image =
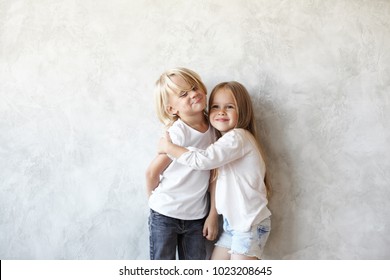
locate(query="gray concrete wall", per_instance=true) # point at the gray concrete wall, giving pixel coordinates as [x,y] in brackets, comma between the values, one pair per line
[78,127]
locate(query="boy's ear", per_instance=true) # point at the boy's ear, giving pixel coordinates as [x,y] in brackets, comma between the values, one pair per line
[171,110]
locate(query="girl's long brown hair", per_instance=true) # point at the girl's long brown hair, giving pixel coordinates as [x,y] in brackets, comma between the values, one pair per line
[246,118]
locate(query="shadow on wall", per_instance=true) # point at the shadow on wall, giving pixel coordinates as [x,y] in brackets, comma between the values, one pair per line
[282,203]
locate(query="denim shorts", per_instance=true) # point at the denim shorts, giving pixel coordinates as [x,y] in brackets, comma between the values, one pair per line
[250,243]
[170,237]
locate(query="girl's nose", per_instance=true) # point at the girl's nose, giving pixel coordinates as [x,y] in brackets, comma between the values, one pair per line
[221,112]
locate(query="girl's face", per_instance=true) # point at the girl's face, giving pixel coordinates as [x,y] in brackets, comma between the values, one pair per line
[223,111]
[186,103]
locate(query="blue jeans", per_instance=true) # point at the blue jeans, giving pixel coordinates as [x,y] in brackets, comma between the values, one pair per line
[169,234]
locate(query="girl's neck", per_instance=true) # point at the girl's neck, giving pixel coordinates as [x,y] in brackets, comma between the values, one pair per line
[223,133]
[198,123]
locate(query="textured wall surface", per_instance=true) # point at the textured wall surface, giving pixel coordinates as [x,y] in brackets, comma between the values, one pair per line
[78,127]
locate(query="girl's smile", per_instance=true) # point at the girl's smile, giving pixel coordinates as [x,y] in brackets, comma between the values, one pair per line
[223,111]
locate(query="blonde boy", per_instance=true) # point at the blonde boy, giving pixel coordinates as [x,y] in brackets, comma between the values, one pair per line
[181,216]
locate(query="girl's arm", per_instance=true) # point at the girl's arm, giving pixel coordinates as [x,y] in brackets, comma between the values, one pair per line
[152,174]
[167,147]
[229,147]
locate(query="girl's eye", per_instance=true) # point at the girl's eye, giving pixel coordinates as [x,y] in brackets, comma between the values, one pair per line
[184,94]
[230,107]
[214,106]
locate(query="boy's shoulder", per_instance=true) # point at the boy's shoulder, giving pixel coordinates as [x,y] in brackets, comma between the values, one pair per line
[177,126]
[178,131]
[182,134]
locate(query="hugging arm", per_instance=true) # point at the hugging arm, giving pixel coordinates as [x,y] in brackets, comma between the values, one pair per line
[226,149]
[166,146]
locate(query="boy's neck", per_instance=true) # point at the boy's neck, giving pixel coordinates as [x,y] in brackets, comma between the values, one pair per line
[198,123]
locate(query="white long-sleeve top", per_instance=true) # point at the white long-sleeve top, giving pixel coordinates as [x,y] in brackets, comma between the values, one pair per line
[240,193]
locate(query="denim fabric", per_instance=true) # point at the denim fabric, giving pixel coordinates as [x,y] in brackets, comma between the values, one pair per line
[250,243]
[168,235]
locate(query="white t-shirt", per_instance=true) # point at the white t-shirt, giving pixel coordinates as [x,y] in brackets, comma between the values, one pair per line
[240,194]
[182,191]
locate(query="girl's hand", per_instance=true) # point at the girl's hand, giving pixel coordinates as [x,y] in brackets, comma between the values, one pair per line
[210,227]
[163,144]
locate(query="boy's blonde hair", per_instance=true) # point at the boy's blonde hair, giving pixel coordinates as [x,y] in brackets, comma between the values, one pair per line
[246,116]
[165,86]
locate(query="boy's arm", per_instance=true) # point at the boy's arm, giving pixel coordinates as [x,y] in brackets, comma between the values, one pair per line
[152,174]
[210,228]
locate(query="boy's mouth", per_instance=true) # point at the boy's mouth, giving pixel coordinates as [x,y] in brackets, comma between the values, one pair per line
[197,100]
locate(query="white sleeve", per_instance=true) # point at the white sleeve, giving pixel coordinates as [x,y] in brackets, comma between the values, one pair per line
[176,134]
[227,148]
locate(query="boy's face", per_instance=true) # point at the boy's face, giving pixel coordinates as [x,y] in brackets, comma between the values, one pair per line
[186,103]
